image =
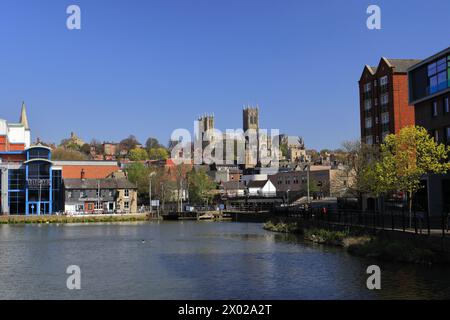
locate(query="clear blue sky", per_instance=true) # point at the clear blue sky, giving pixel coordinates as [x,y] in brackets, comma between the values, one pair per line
[147,67]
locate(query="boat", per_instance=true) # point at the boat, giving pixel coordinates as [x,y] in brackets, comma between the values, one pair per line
[206,216]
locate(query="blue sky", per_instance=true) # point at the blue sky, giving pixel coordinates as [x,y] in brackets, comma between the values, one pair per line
[148,67]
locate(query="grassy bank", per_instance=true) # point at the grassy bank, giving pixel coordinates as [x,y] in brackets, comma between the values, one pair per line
[363,244]
[72,219]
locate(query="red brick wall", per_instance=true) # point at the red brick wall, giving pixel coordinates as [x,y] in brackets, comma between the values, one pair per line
[403,112]
[90,172]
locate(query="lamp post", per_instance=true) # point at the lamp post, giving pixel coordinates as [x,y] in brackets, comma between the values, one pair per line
[150,190]
[308,166]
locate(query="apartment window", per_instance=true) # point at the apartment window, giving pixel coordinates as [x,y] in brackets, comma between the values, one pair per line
[447,135]
[436,135]
[385,117]
[288,181]
[280,181]
[367,104]
[295,180]
[376,102]
[434,109]
[368,123]
[446,105]
[98,206]
[438,75]
[126,193]
[369,140]
[377,139]
[384,99]
[126,205]
[376,120]
[367,87]
[384,81]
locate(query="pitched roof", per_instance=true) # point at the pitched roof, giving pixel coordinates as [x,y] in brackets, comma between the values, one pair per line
[232,185]
[401,65]
[109,183]
[257,183]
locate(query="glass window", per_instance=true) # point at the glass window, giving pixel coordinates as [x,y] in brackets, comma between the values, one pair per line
[368,104]
[127,193]
[384,99]
[435,109]
[385,118]
[432,69]
[447,134]
[369,140]
[383,81]
[126,205]
[368,123]
[436,135]
[446,106]
[441,65]
[433,84]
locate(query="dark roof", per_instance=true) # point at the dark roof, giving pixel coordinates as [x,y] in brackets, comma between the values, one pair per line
[257,183]
[402,65]
[109,183]
[232,185]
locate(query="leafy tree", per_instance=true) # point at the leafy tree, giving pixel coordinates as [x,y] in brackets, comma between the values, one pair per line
[152,143]
[85,149]
[137,154]
[158,154]
[200,187]
[406,157]
[61,153]
[129,143]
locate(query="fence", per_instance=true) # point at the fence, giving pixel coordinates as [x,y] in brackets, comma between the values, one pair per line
[416,222]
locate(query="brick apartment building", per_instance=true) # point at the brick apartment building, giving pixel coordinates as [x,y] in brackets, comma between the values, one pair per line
[429,92]
[384,106]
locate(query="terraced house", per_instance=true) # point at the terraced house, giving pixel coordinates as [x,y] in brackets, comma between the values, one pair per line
[114,194]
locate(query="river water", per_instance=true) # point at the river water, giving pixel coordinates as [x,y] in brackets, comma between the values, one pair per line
[195,260]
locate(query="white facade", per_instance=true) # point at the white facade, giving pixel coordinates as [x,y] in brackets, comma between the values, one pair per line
[15,132]
[268,190]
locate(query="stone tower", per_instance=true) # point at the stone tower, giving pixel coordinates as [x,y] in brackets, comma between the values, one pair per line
[251,118]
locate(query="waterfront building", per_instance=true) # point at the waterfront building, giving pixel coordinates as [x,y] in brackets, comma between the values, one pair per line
[261,188]
[86,169]
[384,107]
[30,183]
[109,195]
[429,92]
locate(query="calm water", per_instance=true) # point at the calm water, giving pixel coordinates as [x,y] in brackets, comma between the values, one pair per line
[194,260]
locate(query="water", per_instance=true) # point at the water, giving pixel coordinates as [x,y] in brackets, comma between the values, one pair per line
[194,260]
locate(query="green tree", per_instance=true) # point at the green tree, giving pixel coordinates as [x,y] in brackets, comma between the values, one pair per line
[406,157]
[158,154]
[138,154]
[61,153]
[152,143]
[201,187]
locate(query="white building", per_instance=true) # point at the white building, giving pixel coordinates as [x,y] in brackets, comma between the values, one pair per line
[261,188]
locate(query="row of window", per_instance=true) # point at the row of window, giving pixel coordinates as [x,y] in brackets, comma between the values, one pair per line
[445,107]
[384,120]
[83,194]
[370,139]
[288,180]
[439,75]
[383,83]
[384,100]
[442,135]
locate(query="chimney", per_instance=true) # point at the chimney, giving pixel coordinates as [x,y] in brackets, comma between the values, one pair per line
[82,174]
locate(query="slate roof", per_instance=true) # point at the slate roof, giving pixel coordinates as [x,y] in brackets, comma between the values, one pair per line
[110,183]
[232,185]
[257,183]
[402,65]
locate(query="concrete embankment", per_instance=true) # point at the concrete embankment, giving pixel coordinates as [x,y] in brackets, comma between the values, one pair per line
[21,219]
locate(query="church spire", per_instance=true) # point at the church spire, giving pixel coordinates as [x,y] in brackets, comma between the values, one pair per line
[24,118]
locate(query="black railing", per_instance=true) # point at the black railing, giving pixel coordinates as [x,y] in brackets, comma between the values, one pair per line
[398,220]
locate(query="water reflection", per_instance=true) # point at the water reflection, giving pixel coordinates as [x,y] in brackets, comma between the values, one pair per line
[191,260]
